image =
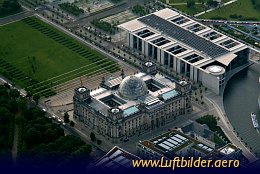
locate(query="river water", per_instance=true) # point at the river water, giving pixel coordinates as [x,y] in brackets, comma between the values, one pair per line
[240,99]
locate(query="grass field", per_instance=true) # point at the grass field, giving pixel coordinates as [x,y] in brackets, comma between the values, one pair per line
[183,7]
[36,56]
[241,7]
[190,11]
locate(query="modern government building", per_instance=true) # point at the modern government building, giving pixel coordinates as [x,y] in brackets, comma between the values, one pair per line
[125,106]
[187,47]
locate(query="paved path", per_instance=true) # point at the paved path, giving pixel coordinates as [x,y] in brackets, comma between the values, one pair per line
[15,142]
[227,3]
[183,3]
[223,122]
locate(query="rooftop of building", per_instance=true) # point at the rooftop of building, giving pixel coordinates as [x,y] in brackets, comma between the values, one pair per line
[128,93]
[116,159]
[185,38]
[172,142]
[201,130]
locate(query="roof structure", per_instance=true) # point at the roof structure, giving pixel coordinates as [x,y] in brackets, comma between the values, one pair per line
[116,159]
[128,93]
[182,35]
[172,142]
[185,38]
[132,87]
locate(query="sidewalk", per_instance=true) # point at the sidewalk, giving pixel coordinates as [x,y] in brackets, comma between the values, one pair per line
[217,102]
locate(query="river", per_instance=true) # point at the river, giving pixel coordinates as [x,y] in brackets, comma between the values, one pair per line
[240,99]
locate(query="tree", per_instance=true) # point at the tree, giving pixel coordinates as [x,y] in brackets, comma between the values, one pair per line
[22,104]
[66,117]
[36,98]
[29,95]
[190,3]
[14,93]
[32,137]
[72,124]
[212,3]
[202,1]
[7,85]
[99,142]
[92,136]
[9,6]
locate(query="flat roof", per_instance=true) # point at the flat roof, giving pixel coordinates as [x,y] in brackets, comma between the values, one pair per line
[130,111]
[170,94]
[183,35]
[115,159]
[170,143]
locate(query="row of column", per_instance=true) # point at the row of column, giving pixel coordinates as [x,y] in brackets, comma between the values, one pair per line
[163,57]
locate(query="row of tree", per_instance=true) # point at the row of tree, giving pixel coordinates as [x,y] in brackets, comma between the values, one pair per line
[211,3]
[71,8]
[256,4]
[9,7]
[44,142]
[9,105]
[40,140]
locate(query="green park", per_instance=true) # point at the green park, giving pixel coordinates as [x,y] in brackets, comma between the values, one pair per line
[239,10]
[37,57]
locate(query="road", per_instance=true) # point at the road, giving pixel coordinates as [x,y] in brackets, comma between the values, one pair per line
[16,17]
[224,22]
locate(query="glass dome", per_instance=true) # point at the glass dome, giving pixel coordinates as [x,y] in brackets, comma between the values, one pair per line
[132,87]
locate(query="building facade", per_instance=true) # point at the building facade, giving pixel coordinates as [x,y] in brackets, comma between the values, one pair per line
[187,47]
[125,106]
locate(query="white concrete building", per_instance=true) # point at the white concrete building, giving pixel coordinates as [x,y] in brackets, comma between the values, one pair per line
[186,46]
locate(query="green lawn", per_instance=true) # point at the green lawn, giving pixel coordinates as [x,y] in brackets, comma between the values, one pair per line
[183,7]
[241,7]
[32,52]
[190,11]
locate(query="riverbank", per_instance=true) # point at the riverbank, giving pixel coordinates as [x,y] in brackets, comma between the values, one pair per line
[239,100]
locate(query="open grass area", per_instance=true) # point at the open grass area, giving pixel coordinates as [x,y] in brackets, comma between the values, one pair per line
[182,6]
[244,8]
[190,11]
[38,57]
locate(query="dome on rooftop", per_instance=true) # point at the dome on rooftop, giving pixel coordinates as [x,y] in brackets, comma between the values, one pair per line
[132,87]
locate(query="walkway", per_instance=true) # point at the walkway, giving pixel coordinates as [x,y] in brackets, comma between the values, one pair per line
[15,141]
[223,122]
[227,3]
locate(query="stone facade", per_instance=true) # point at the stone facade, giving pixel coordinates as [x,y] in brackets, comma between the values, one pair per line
[116,126]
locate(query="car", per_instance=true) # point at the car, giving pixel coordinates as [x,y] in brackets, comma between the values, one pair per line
[44,110]
[54,116]
[59,120]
